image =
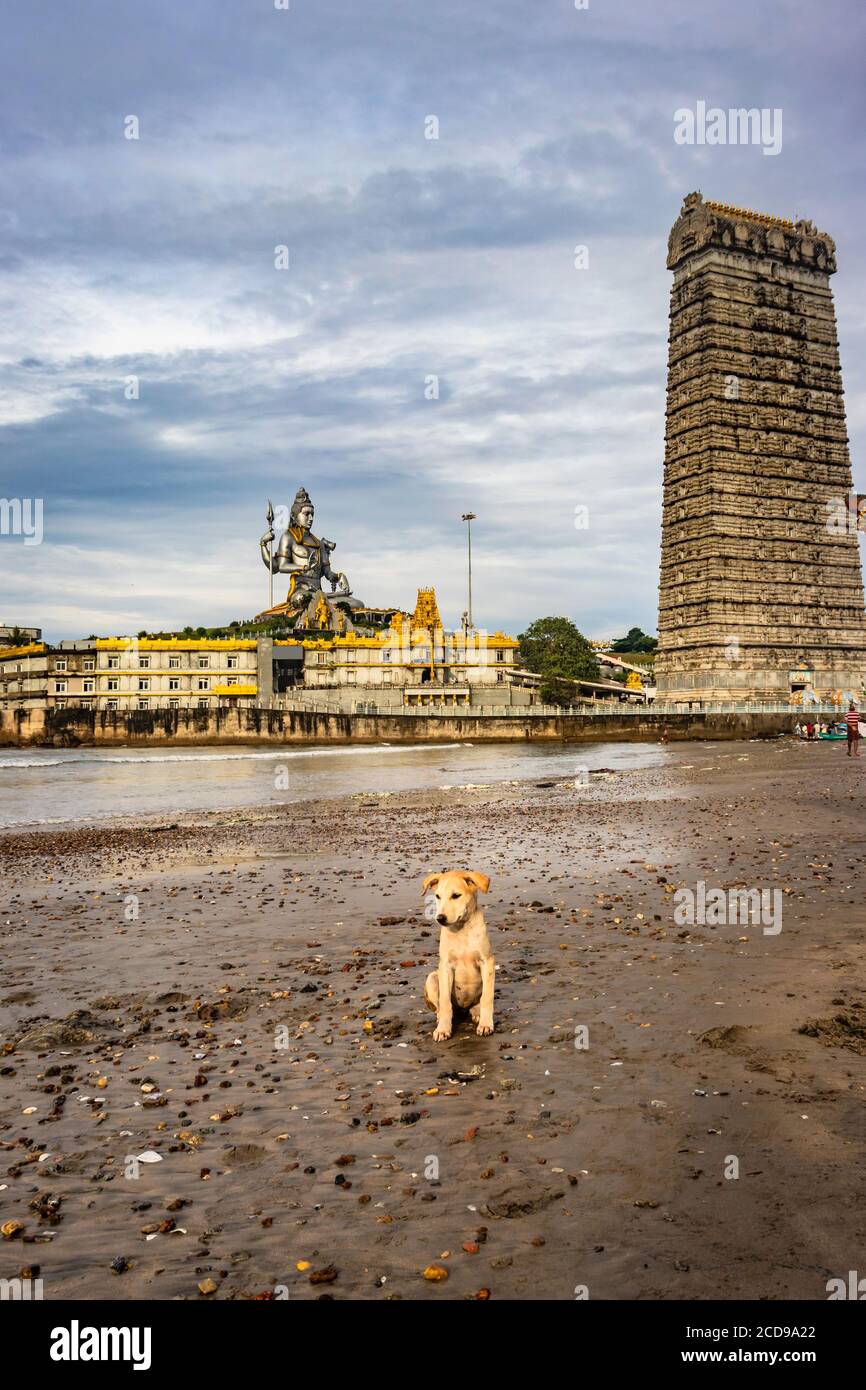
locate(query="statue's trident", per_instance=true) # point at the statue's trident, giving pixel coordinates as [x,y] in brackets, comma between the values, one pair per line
[270,519]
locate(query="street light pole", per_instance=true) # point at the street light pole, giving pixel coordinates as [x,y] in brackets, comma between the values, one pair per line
[469,517]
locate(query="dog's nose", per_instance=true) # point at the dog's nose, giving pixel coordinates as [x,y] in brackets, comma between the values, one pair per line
[442,919]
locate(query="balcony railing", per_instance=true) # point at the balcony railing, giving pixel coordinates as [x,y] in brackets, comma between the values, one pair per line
[586,710]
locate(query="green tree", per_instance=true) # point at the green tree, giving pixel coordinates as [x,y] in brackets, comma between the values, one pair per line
[556,691]
[635,641]
[553,647]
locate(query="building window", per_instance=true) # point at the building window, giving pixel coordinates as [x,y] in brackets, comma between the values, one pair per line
[174,663]
[500,675]
[144,663]
[112,704]
[203,662]
[113,684]
[232,663]
[203,683]
[89,663]
[144,704]
[202,704]
[174,683]
[60,664]
[61,704]
[60,687]
[500,656]
[88,687]
[144,682]
[114,663]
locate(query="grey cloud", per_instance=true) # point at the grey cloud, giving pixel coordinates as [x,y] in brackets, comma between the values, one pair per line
[408,258]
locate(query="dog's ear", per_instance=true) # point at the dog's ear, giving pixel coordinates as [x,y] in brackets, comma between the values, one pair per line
[430,881]
[479,881]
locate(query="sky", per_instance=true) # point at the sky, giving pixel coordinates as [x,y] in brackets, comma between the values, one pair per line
[432,347]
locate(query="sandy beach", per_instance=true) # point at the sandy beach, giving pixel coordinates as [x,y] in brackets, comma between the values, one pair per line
[237,998]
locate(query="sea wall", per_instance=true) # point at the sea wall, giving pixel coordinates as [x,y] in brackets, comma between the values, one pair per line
[75,727]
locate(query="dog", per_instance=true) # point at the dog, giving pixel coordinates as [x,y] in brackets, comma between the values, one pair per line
[464,979]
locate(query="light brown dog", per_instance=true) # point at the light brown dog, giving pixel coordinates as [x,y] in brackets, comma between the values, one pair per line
[464,979]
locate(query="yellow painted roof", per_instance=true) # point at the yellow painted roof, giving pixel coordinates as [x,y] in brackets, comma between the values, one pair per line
[730,211]
[30,650]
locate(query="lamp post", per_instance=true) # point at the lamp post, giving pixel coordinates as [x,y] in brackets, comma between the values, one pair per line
[469,517]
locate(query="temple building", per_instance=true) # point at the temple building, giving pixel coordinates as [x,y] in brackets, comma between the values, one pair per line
[329,650]
[761,594]
[413,662]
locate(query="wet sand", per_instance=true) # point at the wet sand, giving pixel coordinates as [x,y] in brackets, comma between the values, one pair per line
[241,996]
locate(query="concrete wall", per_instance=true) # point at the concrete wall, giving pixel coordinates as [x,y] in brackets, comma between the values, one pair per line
[70,728]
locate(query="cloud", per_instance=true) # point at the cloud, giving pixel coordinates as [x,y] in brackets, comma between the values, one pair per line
[410,259]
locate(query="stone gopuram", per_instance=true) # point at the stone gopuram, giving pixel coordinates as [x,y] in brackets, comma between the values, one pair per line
[761,595]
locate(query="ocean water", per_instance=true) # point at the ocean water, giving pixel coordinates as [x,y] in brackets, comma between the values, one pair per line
[43,787]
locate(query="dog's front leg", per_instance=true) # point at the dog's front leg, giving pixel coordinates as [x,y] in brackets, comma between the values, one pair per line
[485,1011]
[445,1015]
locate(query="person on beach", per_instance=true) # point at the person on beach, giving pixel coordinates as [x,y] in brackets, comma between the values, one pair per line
[852,723]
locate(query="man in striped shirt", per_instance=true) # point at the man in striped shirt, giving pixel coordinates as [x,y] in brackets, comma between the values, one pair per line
[852,721]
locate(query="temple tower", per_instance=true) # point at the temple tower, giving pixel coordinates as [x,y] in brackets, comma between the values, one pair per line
[761,594]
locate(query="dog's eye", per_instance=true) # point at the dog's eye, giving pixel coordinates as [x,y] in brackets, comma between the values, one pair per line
[455,895]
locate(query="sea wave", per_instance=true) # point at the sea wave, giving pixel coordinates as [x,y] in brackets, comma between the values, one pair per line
[144,756]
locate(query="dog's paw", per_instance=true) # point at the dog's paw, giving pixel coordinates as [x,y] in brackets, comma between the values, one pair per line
[485,1027]
[441,1033]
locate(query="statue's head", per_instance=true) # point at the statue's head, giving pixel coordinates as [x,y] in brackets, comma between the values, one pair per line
[302,509]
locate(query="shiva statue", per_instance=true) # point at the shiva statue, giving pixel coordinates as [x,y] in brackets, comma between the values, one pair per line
[305,558]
